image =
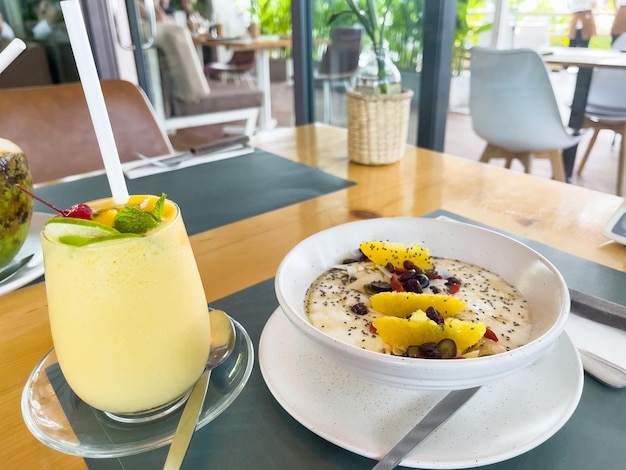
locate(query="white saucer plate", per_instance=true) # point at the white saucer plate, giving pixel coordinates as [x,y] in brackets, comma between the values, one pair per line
[32,245]
[61,420]
[503,420]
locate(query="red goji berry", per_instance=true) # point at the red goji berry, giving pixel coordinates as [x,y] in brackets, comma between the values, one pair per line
[489,334]
[396,285]
[453,289]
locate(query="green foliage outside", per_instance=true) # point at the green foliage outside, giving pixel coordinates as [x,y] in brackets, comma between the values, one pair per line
[405,26]
[274,16]
[468,27]
[403,31]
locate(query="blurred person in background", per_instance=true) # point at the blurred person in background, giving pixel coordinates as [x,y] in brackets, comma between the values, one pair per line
[619,22]
[50,24]
[582,25]
[6,32]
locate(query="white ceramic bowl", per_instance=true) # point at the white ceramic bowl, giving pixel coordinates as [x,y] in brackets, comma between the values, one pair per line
[532,274]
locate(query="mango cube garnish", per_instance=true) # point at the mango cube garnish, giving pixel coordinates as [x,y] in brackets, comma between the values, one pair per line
[382,253]
[106,217]
[419,329]
[403,304]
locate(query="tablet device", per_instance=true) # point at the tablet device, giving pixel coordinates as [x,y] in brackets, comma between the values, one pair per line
[616,227]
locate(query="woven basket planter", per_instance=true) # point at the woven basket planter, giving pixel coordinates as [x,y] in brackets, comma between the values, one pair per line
[377,127]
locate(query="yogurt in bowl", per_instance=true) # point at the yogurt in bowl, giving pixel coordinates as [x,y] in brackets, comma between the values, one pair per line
[537,281]
[355,302]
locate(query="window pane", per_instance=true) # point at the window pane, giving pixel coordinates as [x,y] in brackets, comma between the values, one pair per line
[48,57]
[403,37]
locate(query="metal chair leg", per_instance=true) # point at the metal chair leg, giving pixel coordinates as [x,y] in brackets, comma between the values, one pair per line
[620,164]
[327,102]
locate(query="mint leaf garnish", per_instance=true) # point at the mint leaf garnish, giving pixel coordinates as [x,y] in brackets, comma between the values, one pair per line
[159,207]
[133,220]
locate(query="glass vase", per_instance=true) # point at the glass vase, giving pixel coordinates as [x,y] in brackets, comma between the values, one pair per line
[378,75]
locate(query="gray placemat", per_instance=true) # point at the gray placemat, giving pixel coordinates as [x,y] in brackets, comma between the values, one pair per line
[213,194]
[580,274]
[256,433]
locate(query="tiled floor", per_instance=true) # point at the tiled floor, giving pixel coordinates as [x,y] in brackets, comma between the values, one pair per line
[600,170]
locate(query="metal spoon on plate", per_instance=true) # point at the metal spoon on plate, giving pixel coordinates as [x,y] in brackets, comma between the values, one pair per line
[14,267]
[222,344]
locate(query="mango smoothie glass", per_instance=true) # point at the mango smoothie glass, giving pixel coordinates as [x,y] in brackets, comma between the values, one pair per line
[128,313]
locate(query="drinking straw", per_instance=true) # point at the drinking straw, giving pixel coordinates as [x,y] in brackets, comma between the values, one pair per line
[95,100]
[10,53]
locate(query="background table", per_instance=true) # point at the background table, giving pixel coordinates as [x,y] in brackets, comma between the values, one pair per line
[261,46]
[585,59]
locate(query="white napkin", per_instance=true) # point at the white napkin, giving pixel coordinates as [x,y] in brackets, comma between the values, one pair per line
[139,168]
[605,341]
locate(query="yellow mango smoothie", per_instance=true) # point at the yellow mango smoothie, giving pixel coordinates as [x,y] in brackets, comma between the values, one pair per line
[127,308]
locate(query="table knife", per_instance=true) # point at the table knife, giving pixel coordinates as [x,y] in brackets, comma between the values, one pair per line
[442,411]
[598,309]
[187,423]
[220,144]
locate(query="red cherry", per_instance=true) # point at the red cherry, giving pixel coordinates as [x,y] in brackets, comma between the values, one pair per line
[79,211]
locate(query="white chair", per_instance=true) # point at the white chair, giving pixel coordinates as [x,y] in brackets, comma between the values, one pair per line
[183,97]
[606,109]
[513,108]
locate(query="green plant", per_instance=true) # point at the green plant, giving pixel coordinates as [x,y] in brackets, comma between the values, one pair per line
[466,32]
[404,33]
[367,15]
[404,27]
[275,16]
[403,30]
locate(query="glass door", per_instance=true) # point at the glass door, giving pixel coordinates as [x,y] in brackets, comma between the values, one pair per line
[48,58]
[154,39]
[132,31]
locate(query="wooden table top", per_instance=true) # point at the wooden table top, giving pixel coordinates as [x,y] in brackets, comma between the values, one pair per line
[584,57]
[262,42]
[564,216]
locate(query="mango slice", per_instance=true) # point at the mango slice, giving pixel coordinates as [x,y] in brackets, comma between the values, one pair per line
[419,329]
[403,304]
[395,253]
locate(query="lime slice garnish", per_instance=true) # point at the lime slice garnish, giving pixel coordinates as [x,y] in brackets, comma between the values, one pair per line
[77,240]
[73,231]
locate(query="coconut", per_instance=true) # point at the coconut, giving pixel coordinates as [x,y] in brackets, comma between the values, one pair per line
[16,207]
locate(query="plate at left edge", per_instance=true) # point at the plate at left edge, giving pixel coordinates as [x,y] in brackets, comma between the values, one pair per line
[58,418]
[32,244]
